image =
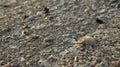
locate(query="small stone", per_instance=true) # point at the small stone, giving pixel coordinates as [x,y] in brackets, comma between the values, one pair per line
[114,1]
[13,46]
[31,62]
[102,11]
[66,52]
[58,24]
[25,16]
[48,39]
[24,32]
[118,6]
[77,58]
[27,56]
[1,56]
[54,8]
[86,40]
[22,59]
[40,61]
[94,63]
[115,63]
[39,13]
[65,35]
[52,58]
[99,20]
[46,10]
[87,9]
[31,37]
[7,65]
[25,26]
[40,26]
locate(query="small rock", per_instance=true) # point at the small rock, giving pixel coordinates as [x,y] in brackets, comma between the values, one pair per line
[25,32]
[39,13]
[52,58]
[1,56]
[31,37]
[40,26]
[40,61]
[25,16]
[76,58]
[118,6]
[54,8]
[102,11]
[87,9]
[116,63]
[58,24]
[22,59]
[99,20]
[114,1]
[46,10]
[48,39]
[13,46]
[86,40]
[25,26]
[9,64]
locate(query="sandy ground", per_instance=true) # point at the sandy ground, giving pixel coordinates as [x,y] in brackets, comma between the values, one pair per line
[59,33]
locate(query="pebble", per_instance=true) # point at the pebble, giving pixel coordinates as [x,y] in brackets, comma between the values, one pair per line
[99,20]
[31,37]
[22,59]
[58,24]
[13,46]
[40,26]
[78,58]
[1,56]
[48,39]
[102,11]
[118,6]
[24,32]
[52,58]
[54,8]
[46,10]
[86,40]
[115,63]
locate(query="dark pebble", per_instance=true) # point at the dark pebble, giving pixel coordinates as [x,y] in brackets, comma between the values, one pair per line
[100,21]
[46,10]
[6,6]
[114,1]
[25,17]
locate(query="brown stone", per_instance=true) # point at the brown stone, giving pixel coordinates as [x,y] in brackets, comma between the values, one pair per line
[48,39]
[31,37]
[115,63]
